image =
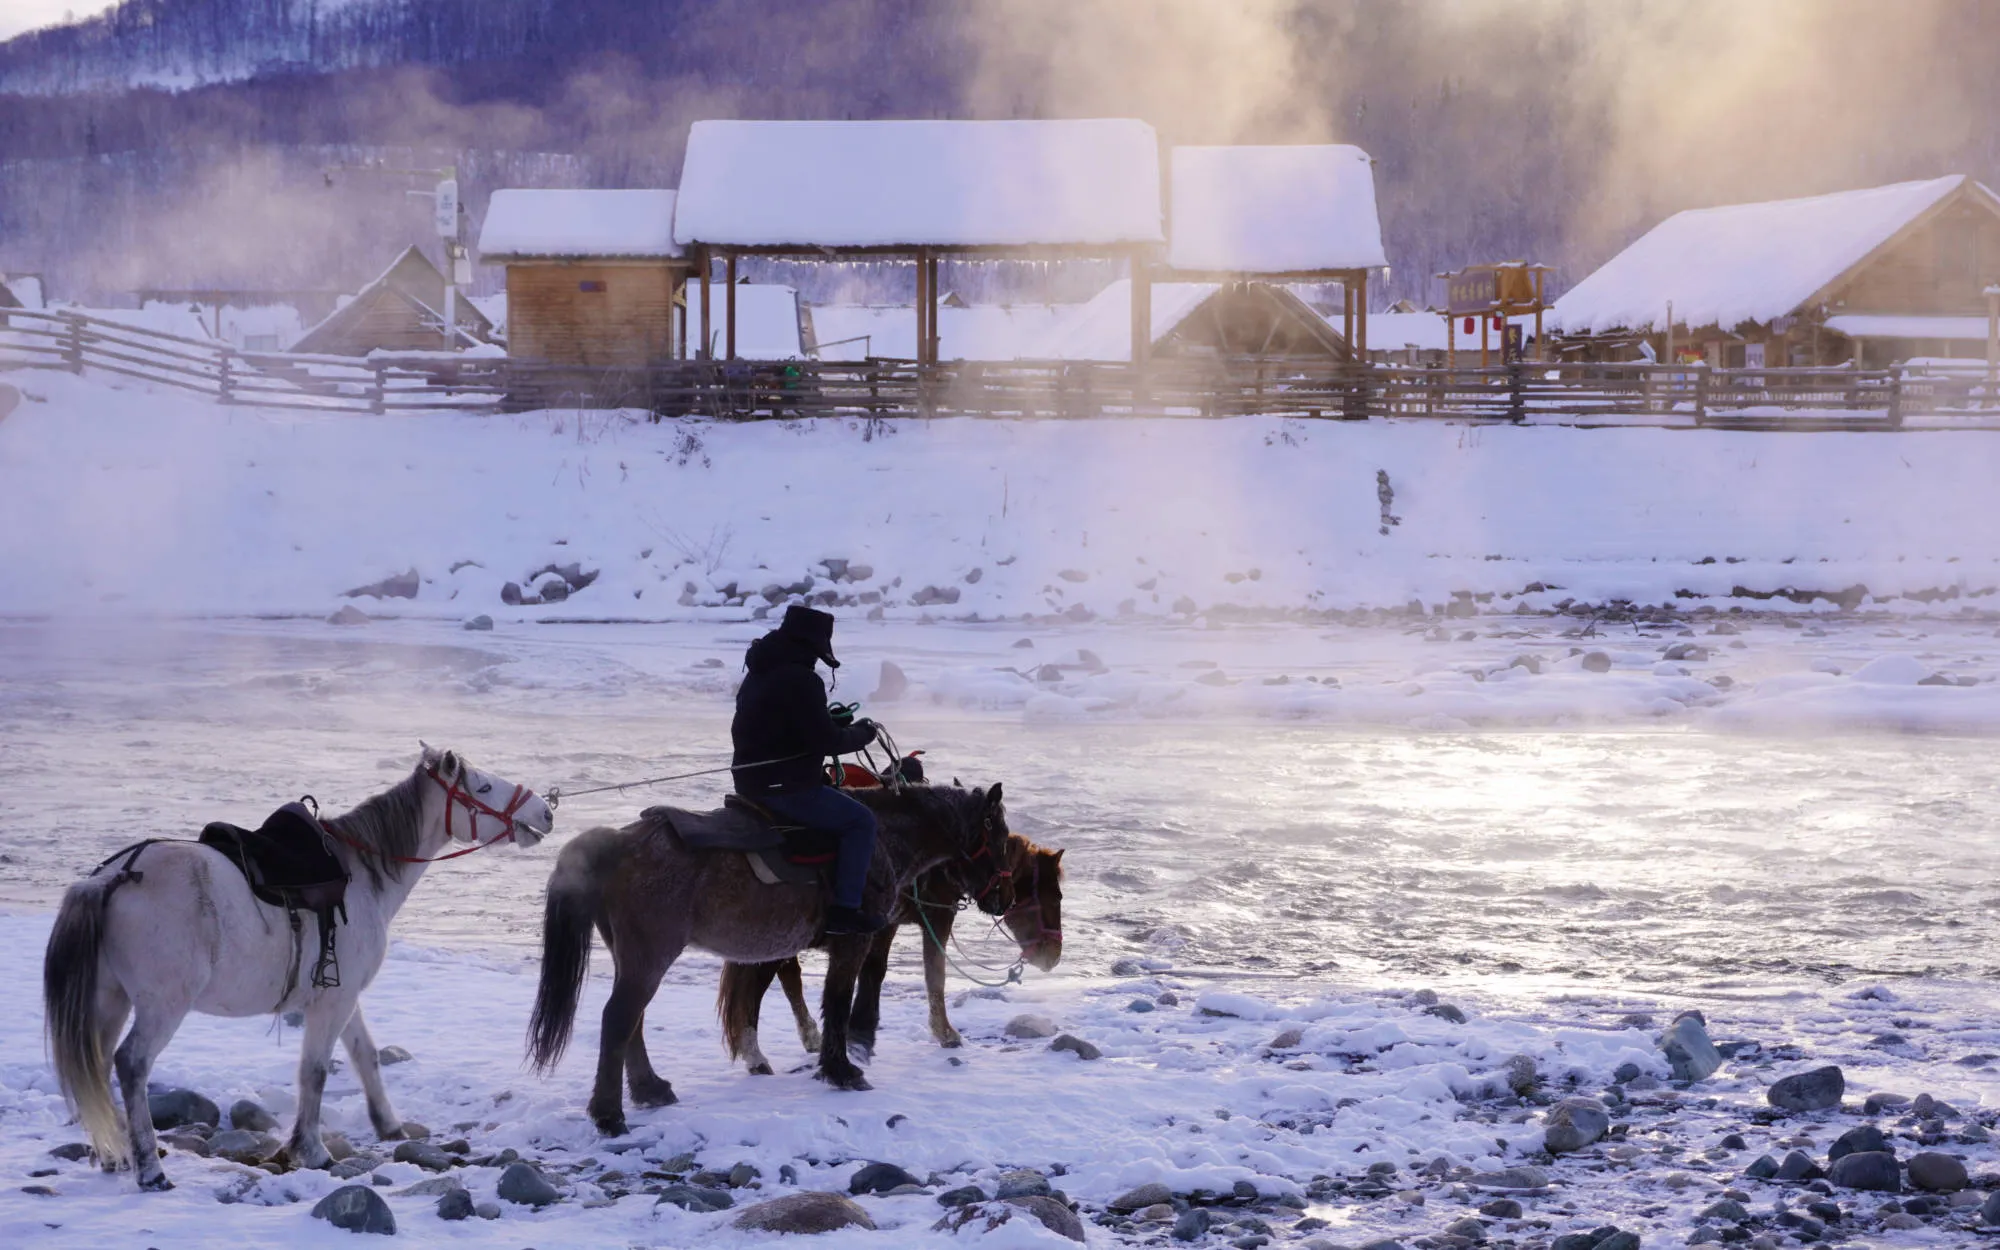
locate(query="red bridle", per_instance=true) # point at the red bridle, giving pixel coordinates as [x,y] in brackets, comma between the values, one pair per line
[1034,900]
[455,794]
[986,849]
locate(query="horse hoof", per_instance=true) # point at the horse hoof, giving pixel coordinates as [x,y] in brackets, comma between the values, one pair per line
[156,1184]
[761,1069]
[661,1095]
[951,1040]
[852,1079]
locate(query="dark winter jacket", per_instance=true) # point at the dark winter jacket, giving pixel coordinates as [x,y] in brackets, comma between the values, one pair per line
[780,713]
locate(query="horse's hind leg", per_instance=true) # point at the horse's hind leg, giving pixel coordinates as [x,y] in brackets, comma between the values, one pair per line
[153,1028]
[326,1020]
[368,1066]
[113,1010]
[868,997]
[795,994]
[635,978]
[941,1028]
[648,1088]
[756,982]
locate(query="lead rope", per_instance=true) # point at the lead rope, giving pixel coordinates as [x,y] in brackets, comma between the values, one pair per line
[1013,973]
[556,794]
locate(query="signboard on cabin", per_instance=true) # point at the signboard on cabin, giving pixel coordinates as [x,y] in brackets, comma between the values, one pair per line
[1488,289]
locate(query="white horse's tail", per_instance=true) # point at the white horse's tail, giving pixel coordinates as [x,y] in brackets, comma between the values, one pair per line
[69,998]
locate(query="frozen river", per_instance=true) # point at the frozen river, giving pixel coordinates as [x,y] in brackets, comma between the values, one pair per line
[1676,858]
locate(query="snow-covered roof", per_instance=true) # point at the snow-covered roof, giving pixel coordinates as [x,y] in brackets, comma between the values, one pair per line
[1745,262]
[27,289]
[1870,326]
[884,184]
[1274,209]
[767,322]
[973,332]
[1101,328]
[565,224]
[176,319]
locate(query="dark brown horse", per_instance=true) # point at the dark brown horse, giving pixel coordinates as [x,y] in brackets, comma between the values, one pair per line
[1034,919]
[651,897]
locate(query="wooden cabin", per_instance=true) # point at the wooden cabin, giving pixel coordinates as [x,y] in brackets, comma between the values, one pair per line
[1873,276]
[594,277]
[1198,320]
[401,311]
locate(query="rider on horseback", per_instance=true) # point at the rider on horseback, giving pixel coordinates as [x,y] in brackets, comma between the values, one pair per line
[782,735]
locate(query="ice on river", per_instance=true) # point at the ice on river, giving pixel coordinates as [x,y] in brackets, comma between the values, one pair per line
[1558,862]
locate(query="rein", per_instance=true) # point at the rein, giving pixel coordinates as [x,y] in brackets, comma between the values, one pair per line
[454,795]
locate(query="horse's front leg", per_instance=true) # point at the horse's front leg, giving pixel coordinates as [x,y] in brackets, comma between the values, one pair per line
[326,1019]
[941,1028]
[795,994]
[868,997]
[368,1066]
[836,1005]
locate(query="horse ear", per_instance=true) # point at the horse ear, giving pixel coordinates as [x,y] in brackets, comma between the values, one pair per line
[1059,854]
[993,796]
[450,764]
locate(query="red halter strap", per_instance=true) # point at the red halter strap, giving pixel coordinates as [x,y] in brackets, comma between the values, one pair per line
[985,849]
[454,794]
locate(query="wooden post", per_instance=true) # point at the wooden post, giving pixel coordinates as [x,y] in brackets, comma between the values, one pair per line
[729,310]
[225,387]
[73,345]
[931,313]
[1347,311]
[680,307]
[1142,310]
[1992,340]
[923,306]
[1485,333]
[376,401]
[1361,316]
[1541,344]
[1450,339]
[707,336]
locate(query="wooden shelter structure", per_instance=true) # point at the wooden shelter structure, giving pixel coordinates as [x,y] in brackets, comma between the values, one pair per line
[1198,320]
[1278,213]
[399,311]
[1869,277]
[594,277]
[1496,296]
[921,190]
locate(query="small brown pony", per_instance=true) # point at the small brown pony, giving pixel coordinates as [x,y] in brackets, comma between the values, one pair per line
[651,897]
[1034,919]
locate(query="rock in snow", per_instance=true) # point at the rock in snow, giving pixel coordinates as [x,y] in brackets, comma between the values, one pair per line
[1575,1123]
[1869,1169]
[1028,1026]
[173,1108]
[876,1178]
[1689,1050]
[1939,1173]
[522,1183]
[1816,1090]
[805,1213]
[356,1208]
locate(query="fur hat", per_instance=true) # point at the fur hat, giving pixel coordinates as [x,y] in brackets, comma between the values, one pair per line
[813,628]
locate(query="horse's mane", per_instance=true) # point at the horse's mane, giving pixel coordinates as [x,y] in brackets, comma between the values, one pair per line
[1023,849]
[387,826]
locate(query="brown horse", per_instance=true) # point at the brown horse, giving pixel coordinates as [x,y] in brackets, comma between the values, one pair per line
[1034,919]
[651,897]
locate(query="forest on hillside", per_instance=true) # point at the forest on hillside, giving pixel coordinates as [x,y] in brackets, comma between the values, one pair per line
[257,143]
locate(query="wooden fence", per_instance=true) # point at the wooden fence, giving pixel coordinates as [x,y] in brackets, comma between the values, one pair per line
[1526,393]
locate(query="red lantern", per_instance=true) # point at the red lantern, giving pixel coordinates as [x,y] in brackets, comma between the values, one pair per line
[1498,322]
[1471,323]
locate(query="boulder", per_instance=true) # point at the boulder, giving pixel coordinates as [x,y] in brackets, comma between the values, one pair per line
[1021,1183]
[424,1155]
[523,1183]
[242,1146]
[1989,1211]
[1688,1049]
[1027,1025]
[963,1194]
[1817,1090]
[805,1213]
[70,1151]
[478,623]
[1521,1075]
[1052,1214]
[1446,1011]
[1939,1173]
[454,1204]
[1799,1166]
[877,1178]
[892,685]
[697,1198]
[395,586]
[1728,1210]
[1511,1178]
[245,1114]
[1573,1124]
[1866,1139]
[356,1208]
[435,1187]
[175,1108]
[389,1055]
[1149,1194]
[1287,1039]
[1595,662]
[1762,1168]
[1076,1046]
[348,615]
[1875,1170]
[1501,1209]
[1468,1228]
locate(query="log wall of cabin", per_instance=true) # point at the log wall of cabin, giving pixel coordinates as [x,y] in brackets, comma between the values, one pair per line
[1940,269]
[590,314]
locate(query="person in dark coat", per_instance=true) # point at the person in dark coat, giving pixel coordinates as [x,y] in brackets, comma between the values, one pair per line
[782,736]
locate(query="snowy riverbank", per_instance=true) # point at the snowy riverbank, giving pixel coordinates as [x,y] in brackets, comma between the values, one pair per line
[1191,1095]
[127,499]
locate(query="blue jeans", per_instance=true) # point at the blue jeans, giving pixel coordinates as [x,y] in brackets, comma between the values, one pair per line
[828,809]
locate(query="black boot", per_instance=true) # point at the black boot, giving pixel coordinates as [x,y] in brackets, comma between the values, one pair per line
[848,921]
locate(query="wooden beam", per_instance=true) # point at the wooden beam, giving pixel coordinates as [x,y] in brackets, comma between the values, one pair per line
[729,306]
[707,335]
[923,305]
[1361,315]
[1142,309]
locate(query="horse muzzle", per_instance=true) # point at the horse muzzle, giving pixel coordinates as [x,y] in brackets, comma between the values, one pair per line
[533,822]
[1042,954]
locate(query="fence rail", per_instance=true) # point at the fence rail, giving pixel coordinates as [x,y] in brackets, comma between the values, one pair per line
[1679,396]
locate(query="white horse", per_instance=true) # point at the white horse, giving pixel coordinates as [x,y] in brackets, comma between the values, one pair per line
[174,928]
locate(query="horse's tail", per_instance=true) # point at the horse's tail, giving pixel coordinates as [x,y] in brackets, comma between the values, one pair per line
[69,1003]
[738,995]
[575,898]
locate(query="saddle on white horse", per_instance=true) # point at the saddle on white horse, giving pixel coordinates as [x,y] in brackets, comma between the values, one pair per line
[288,862]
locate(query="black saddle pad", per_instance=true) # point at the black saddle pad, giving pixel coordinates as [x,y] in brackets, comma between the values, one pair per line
[741,825]
[286,860]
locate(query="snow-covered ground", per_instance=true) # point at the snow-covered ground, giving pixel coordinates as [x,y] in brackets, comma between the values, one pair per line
[1273,820]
